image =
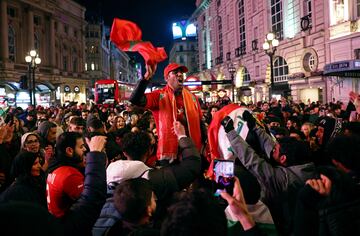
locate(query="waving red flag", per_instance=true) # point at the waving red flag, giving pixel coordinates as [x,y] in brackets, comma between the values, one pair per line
[126,35]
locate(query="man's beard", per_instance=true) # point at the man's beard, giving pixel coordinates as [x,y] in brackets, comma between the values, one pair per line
[77,158]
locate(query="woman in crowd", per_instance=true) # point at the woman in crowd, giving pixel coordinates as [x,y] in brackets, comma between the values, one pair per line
[29,183]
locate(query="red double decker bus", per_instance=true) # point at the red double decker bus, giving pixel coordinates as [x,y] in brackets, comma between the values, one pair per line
[106,92]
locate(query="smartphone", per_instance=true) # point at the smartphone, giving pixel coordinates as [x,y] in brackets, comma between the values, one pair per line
[224,176]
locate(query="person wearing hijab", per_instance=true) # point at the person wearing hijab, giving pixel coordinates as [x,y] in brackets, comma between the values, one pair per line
[29,184]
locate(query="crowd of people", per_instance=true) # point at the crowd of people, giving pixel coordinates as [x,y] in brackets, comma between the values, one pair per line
[141,168]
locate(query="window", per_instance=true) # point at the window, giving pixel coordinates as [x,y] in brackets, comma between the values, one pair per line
[86,67]
[221,49]
[181,59]
[65,63]
[75,33]
[11,43]
[357,53]
[277,18]
[246,75]
[257,71]
[181,48]
[75,64]
[66,29]
[11,12]
[358,8]
[307,7]
[56,26]
[36,42]
[241,9]
[280,70]
[339,11]
[37,20]
[218,3]
[310,62]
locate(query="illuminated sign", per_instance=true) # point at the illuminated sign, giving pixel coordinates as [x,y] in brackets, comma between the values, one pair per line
[183,29]
[76,89]
[67,89]
[105,86]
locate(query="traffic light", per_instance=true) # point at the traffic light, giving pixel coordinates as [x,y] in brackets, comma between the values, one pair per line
[24,82]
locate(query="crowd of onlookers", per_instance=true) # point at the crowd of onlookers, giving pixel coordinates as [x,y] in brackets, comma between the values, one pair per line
[82,170]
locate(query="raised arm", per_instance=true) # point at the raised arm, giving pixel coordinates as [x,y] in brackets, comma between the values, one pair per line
[137,97]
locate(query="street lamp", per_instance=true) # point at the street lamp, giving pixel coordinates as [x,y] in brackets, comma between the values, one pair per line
[232,71]
[33,60]
[270,48]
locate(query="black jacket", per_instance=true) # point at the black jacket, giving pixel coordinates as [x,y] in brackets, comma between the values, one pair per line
[84,212]
[165,182]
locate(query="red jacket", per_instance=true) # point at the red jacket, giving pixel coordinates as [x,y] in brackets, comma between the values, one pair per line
[63,187]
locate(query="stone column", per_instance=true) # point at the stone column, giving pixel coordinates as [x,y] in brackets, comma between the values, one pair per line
[52,43]
[30,35]
[4,47]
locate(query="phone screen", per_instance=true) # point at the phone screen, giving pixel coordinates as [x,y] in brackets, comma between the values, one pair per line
[224,176]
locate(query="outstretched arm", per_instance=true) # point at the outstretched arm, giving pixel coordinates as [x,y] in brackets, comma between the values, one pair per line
[137,97]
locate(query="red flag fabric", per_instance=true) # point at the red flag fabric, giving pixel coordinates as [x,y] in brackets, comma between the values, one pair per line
[219,144]
[127,36]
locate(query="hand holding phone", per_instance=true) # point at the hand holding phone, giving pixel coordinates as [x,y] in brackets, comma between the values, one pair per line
[224,176]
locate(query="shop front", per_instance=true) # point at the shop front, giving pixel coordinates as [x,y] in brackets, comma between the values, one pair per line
[67,93]
[341,78]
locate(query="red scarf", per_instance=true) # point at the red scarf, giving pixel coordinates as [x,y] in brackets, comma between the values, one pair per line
[168,142]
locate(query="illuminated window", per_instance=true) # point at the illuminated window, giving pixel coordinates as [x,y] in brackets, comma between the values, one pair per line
[280,70]
[11,43]
[339,11]
[241,8]
[86,67]
[277,18]
[92,66]
[221,50]
[246,75]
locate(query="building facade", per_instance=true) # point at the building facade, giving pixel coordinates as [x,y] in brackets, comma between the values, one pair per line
[55,29]
[231,33]
[97,64]
[185,52]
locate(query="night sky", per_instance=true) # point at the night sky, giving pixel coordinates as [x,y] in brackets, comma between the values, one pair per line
[154,17]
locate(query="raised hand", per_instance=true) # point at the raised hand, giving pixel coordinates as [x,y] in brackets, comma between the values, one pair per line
[322,185]
[96,143]
[250,120]
[150,71]
[238,205]
[228,124]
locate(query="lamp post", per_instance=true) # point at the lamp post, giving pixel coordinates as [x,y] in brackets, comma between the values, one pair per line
[232,71]
[33,60]
[270,48]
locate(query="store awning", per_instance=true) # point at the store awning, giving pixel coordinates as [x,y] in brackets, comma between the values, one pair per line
[349,68]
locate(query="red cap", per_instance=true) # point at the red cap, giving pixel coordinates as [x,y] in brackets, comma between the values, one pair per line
[174,66]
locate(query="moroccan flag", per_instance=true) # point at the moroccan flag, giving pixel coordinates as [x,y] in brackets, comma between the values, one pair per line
[127,36]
